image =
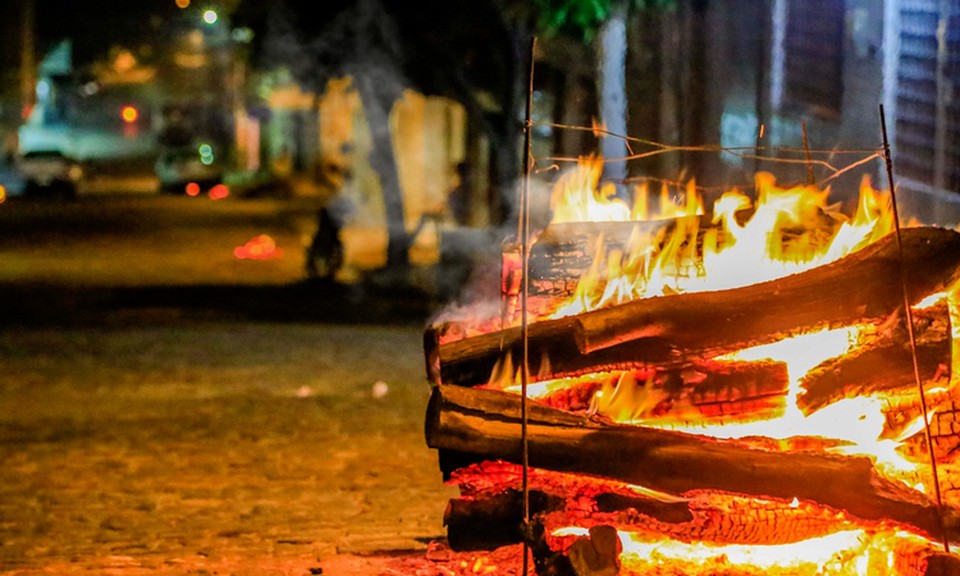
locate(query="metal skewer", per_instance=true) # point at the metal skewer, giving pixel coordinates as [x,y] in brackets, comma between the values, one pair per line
[888,161]
[806,152]
[524,218]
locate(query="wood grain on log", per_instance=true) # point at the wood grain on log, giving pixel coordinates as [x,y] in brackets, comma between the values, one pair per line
[883,361]
[487,423]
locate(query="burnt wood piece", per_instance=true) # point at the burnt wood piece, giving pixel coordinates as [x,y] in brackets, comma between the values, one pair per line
[864,284]
[489,512]
[884,361]
[682,328]
[710,392]
[487,423]
[492,520]
[562,252]
[495,520]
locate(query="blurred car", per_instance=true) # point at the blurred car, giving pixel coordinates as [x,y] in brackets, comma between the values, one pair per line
[49,173]
[179,167]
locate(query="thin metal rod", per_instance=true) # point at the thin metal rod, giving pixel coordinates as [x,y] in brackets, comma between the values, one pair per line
[806,152]
[525,261]
[888,161]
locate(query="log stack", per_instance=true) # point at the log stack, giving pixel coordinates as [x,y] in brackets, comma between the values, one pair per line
[674,350]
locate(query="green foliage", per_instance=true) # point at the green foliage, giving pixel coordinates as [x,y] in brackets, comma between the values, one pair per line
[583,18]
[571,17]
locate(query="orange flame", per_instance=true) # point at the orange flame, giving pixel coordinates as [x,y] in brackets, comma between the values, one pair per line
[785,231]
[789,230]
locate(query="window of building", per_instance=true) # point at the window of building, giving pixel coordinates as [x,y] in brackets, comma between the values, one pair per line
[808,40]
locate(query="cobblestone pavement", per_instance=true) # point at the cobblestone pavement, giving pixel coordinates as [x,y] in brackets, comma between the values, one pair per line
[214,448]
[166,408]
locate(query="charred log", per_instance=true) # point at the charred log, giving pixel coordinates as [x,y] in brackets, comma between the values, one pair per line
[710,392]
[875,553]
[884,361]
[487,423]
[494,520]
[710,321]
[683,328]
[489,512]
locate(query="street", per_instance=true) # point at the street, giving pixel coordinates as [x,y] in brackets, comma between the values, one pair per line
[167,408]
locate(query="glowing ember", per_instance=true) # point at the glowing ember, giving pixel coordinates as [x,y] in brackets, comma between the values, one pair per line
[219,192]
[852,552]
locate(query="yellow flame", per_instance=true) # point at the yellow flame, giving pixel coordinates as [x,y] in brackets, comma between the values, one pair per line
[577,198]
[791,229]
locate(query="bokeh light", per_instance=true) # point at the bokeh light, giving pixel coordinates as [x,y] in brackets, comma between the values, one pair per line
[183,4]
[193,189]
[261,247]
[206,154]
[219,192]
[210,17]
[129,114]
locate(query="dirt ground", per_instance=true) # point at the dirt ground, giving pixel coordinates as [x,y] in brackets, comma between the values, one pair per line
[157,437]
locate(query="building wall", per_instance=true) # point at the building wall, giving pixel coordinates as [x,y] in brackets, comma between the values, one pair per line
[328,141]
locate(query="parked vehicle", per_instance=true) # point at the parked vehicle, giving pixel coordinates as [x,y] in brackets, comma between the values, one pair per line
[49,173]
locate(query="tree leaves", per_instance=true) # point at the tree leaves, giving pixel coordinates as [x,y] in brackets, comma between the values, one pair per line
[582,18]
[572,17]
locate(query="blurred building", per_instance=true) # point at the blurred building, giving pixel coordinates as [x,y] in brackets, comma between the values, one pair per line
[756,75]
[322,141]
[749,74]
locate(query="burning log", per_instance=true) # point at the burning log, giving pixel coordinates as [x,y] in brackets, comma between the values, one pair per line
[681,328]
[857,373]
[564,251]
[718,322]
[730,391]
[713,391]
[487,423]
[494,519]
[489,512]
